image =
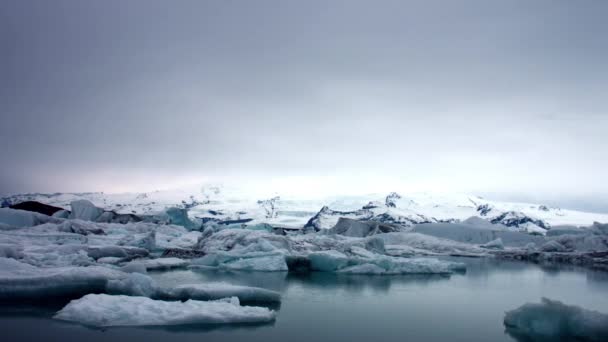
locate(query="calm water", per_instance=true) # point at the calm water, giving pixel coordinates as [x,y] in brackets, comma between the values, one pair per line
[323,306]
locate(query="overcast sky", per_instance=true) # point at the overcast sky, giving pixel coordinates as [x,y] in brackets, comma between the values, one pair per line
[506,97]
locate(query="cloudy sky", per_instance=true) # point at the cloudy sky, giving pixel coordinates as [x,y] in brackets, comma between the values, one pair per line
[502,97]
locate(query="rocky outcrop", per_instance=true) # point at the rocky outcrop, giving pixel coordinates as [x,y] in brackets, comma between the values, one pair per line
[36,207]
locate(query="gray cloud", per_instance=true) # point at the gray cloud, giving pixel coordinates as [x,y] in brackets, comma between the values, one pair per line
[491,96]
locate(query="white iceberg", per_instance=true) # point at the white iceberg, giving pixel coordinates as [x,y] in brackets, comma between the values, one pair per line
[554,320]
[106,310]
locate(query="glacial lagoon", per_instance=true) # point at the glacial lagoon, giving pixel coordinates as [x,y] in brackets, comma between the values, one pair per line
[322,306]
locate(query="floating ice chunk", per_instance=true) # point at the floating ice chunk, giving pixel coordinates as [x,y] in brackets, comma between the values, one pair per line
[251,261]
[476,234]
[354,228]
[327,260]
[145,240]
[178,216]
[583,242]
[363,269]
[134,267]
[106,310]
[135,284]
[64,214]
[423,243]
[272,263]
[390,265]
[334,261]
[22,218]
[110,260]
[161,263]
[238,239]
[494,244]
[20,280]
[85,210]
[362,252]
[554,320]
[97,252]
[221,290]
[142,285]
[11,251]
[553,246]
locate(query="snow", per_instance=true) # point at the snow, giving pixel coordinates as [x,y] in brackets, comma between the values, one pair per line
[554,320]
[105,310]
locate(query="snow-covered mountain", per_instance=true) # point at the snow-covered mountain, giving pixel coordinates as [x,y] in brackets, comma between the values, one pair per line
[228,205]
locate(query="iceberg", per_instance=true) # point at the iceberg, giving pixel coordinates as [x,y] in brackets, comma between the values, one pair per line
[554,320]
[215,291]
[85,210]
[21,280]
[335,261]
[103,310]
[477,234]
[21,218]
[159,263]
[252,261]
[143,286]
[354,228]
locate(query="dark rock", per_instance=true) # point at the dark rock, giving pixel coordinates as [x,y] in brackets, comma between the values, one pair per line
[391,199]
[36,207]
[484,209]
[515,219]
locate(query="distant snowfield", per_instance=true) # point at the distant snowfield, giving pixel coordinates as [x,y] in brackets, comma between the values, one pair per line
[228,204]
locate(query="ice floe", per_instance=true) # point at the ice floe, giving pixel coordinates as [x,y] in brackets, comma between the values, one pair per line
[554,320]
[103,310]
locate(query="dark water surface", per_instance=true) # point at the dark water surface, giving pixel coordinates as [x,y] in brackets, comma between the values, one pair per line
[330,307]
